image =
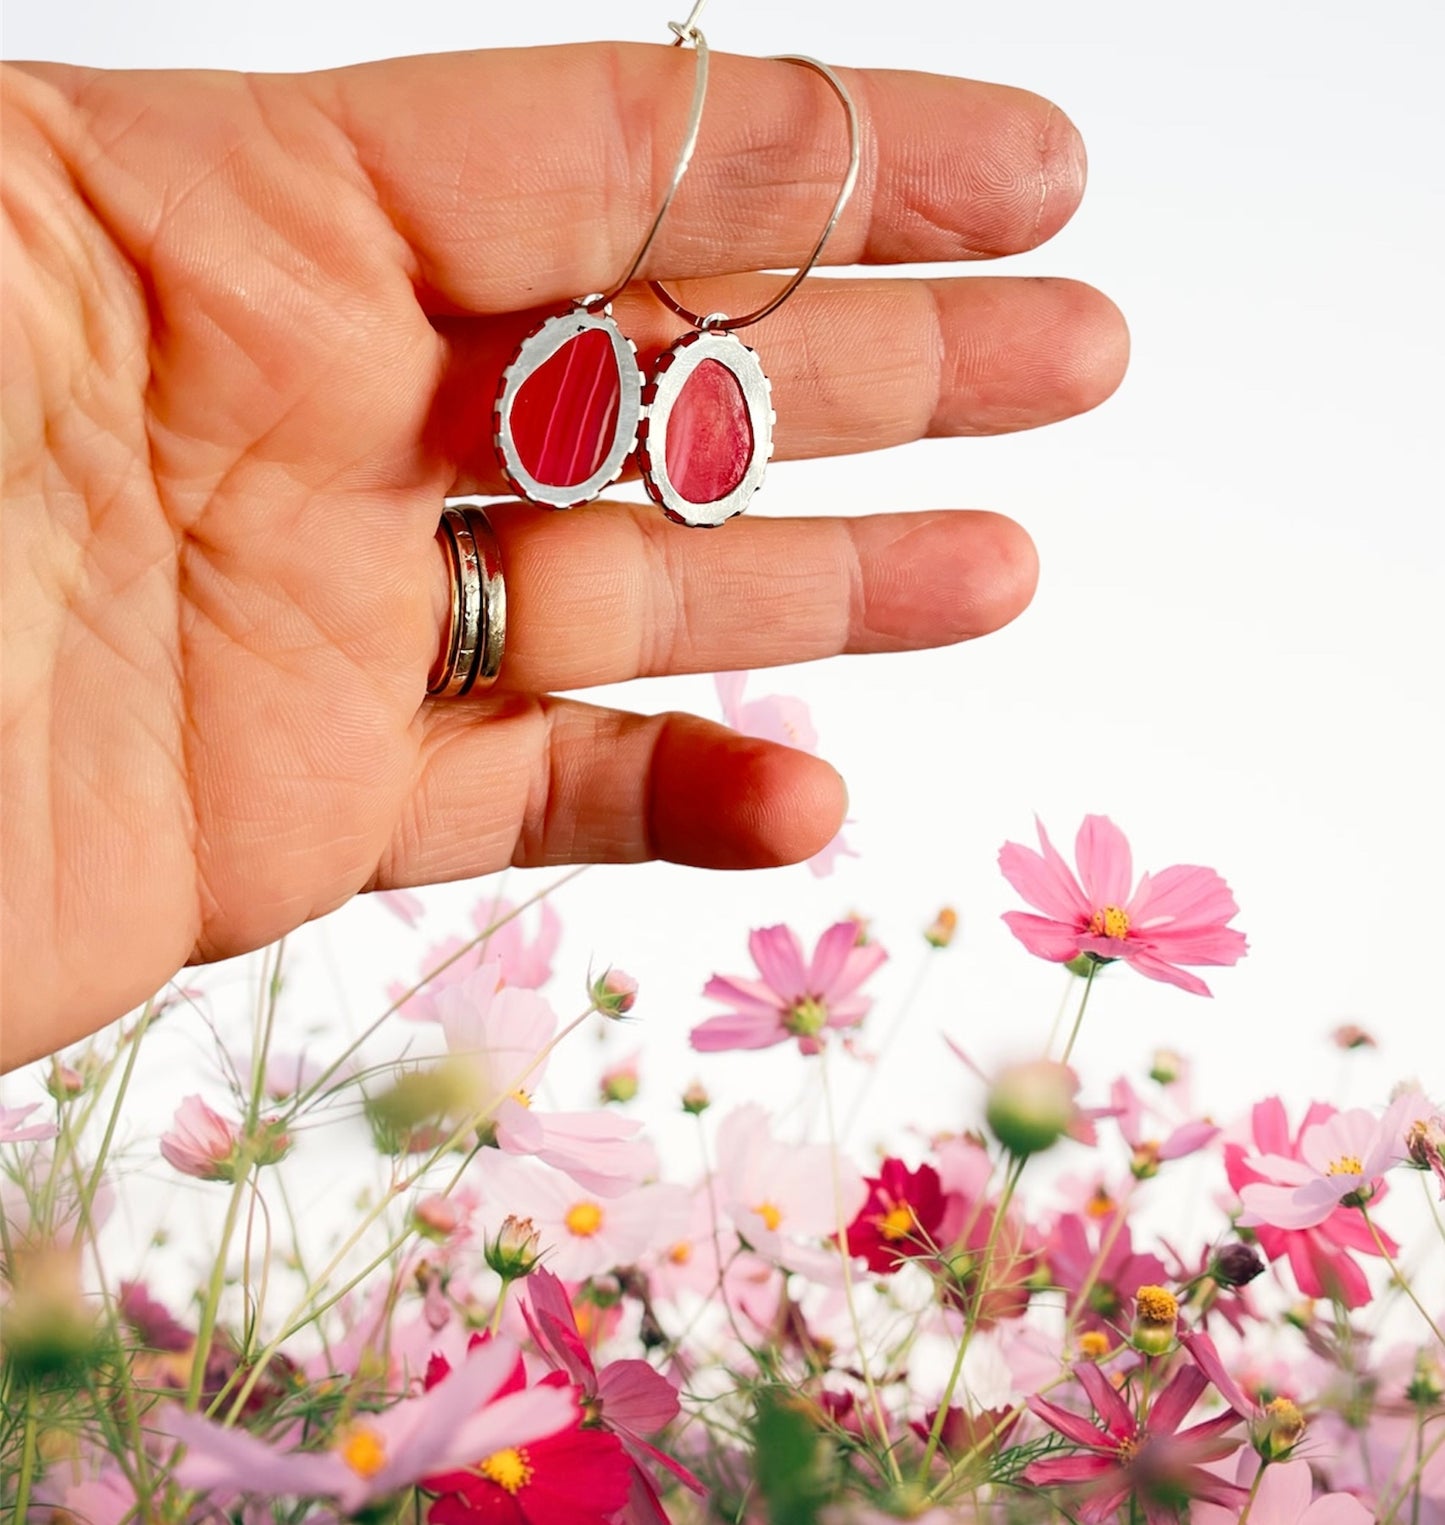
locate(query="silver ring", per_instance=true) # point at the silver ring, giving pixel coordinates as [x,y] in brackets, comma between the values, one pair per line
[477,625]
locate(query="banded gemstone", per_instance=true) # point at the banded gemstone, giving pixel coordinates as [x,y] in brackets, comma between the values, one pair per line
[564,417]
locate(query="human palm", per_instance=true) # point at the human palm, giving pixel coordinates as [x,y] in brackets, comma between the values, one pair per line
[252,329]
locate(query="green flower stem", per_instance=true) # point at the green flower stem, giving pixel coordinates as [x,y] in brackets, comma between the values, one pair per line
[935,1434]
[874,1400]
[1083,1006]
[494,1324]
[266,1024]
[27,1455]
[134,1039]
[1426,1182]
[1400,1280]
[211,1307]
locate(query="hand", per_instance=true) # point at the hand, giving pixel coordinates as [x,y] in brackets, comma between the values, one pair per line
[252,330]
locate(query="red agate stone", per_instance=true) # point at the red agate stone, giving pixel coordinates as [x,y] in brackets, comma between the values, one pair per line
[564,417]
[709,435]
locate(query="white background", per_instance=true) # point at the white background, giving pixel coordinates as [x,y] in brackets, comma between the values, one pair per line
[1235,646]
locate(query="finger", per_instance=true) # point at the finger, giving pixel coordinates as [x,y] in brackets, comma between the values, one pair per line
[539,781]
[500,218]
[618,592]
[855,364]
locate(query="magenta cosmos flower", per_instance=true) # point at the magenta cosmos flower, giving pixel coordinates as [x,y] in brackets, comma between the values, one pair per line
[1147,1458]
[796,997]
[1171,918]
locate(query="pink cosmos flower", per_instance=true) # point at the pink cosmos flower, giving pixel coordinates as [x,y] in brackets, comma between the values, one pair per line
[1339,1162]
[1145,1458]
[1318,1255]
[786,1200]
[796,997]
[582,1232]
[454,1423]
[1175,917]
[694,1262]
[204,1144]
[1285,1496]
[201,1143]
[15,1130]
[502,1036]
[788,722]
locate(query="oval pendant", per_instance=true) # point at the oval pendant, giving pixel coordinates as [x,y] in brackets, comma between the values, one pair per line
[568,408]
[707,428]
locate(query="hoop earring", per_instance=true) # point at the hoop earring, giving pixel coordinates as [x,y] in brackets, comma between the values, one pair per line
[707,427]
[569,403]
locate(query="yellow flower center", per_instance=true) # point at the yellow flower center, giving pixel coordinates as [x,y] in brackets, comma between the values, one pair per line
[364,1451]
[1110,922]
[1156,1306]
[770,1214]
[680,1253]
[1346,1165]
[897,1223]
[807,1019]
[509,1469]
[1100,1203]
[524,1098]
[1093,1344]
[583,1219]
[1285,1420]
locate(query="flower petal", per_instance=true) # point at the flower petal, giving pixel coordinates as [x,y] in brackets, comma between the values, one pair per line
[1044,879]
[737,1030]
[1053,1470]
[1117,1416]
[1078,1429]
[1106,866]
[779,957]
[1185,896]
[750,996]
[859,964]
[830,956]
[1176,1400]
[1054,940]
[1157,969]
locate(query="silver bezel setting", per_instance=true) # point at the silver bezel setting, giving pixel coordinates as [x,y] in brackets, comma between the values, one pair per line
[664,388]
[534,352]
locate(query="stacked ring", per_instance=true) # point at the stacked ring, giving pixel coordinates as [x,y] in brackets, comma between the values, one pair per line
[477,627]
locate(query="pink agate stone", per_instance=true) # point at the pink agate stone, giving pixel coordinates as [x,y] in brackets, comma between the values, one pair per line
[709,435]
[564,418]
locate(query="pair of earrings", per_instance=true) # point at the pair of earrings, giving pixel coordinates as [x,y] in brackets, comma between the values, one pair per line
[573,405]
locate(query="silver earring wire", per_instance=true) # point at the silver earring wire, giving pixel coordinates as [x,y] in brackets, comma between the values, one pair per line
[718,320]
[685,32]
